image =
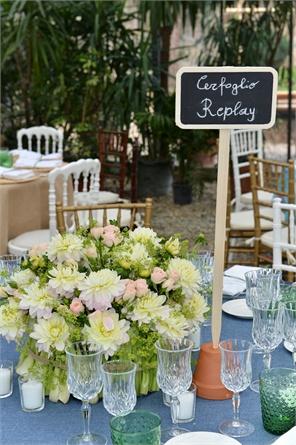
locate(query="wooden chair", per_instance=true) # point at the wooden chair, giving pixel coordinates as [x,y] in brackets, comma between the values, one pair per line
[71,183]
[244,143]
[277,178]
[284,238]
[124,213]
[37,135]
[114,161]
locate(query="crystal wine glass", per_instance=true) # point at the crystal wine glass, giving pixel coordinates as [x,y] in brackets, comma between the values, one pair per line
[119,389]
[290,326]
[267,329]
[8,265]
[85,382]
[236,376]
[174,374]
[204,262]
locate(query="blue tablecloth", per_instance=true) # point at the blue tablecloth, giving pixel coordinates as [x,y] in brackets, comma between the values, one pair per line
[57,422]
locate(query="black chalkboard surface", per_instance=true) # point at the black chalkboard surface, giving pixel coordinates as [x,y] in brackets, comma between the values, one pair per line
[226,97]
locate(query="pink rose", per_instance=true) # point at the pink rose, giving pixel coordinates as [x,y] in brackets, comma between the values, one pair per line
[158,275]
[38,249]
[130,290]
[76,306]
[97,232]
[174,275]
[141,287]
[111,229]
[90,252]
[169,284]
[109,238]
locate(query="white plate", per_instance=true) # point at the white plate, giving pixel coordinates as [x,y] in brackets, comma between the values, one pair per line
[288,346]
[202,438]
[238,308]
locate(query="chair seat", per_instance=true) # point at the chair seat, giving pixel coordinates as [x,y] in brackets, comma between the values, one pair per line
[101,197]
[244,220]
[267,238]
[21,244]
[111,215]
[247,198]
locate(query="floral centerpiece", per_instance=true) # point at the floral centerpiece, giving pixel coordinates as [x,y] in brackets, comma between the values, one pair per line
[119,289]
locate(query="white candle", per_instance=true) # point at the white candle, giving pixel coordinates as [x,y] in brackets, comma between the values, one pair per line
[5,381]
[32,394]
[186,400]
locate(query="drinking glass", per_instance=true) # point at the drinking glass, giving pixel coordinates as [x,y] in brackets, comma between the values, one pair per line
[137,428]
[85,382]
[8,265]
[119,390]
[278,399]
[174,374]
[267,329]
[204,262]
[236,376]
[262,285]
[290,326]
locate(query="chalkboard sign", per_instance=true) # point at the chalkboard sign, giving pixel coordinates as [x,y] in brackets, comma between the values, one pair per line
[226,97]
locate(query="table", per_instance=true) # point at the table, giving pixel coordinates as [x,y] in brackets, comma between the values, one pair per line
[57,422]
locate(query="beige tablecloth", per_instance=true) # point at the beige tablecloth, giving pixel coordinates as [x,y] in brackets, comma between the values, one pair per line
[23,207]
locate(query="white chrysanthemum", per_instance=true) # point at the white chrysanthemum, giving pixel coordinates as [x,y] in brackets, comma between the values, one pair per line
[175,326]
[107,330]
[24,278]
[188,275]
[149,307]
[144,235]
[194,308]
[12,320]
[99,289]
[51,333]
[66,247]
[65,279]
[139,254]
[37,300]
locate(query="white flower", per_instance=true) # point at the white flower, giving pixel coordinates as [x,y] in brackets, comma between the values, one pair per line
[37,300]
[107,330]
[149,307]
[188,275]
[51,333]
[194,308]
[65,279]
[174,326]
[100,288]
[24,278]
[12,320]
[65,248]
[173,246]
[144,235]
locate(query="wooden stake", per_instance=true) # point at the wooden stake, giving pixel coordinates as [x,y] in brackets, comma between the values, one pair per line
[220,234]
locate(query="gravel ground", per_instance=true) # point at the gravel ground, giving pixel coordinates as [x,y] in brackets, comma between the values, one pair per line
[188,220]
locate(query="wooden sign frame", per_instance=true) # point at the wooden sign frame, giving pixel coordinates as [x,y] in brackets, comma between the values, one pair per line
[222,178]
[222,70]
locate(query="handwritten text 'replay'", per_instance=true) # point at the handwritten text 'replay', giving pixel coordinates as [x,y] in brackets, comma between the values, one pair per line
[237,109]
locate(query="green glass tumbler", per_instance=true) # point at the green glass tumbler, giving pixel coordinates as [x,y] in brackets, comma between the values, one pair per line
[136,428]
[5,158]
[278,399]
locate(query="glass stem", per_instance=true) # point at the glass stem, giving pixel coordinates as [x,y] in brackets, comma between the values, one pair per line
[235,405]
[266,360]
[294,358]
[86,412]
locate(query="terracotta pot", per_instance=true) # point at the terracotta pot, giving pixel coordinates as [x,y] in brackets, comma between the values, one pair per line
[207,374]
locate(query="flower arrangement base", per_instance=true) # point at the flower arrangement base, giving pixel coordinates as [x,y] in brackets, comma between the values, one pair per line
[207,374]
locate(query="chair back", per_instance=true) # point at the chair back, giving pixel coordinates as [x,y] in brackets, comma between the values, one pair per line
[277,178]
[80,176]
[113,158]
[102,214]
[284,245]
[243,144]
[52,138]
